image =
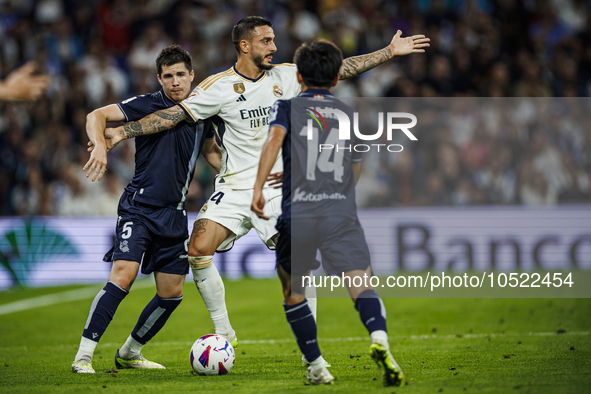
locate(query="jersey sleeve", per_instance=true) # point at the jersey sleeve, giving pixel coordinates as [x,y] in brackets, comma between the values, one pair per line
[137,107]
[202,103]
[280,115]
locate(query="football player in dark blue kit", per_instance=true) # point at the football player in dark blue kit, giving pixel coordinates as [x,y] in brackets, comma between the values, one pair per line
[152,222]
[318,208]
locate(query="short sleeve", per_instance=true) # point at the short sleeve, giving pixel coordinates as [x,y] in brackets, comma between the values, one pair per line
[202,103]
[280,114]
[137,107]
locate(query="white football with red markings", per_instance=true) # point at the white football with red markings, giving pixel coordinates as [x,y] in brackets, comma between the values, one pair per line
[212,355]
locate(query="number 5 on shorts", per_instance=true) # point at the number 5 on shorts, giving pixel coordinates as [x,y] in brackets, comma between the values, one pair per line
[127,230]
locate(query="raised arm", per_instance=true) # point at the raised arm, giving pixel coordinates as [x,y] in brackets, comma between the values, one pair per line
[399,46]
[96,122]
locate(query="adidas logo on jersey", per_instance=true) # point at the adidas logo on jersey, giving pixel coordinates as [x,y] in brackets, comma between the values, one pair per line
[241,98]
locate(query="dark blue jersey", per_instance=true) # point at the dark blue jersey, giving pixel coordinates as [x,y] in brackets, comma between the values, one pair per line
[164,162]
[318,180]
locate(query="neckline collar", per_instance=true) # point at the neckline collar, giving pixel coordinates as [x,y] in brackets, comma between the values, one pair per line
[166,99]
[313,92]
[249,79]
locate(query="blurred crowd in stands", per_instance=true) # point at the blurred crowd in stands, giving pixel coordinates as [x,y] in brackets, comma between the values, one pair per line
[478,151]
[99,52]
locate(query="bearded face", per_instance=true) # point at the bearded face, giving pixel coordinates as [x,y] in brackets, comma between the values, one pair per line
[263,61]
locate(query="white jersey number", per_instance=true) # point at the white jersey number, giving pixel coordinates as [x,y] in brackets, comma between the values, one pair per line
[319,157]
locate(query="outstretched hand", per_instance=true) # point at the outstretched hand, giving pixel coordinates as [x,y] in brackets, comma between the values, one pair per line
[23,85]
[97,163]
[407,45]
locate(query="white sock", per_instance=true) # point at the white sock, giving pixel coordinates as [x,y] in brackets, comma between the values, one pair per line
[310,294]
[211,287]
[381,337]
[131,348]
[319,363]
[86,349]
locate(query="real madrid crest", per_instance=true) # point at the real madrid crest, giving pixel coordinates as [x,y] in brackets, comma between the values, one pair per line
[204,208]
[277,92]
[239,88]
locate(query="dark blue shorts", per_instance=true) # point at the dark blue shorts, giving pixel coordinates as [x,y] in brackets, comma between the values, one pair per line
[155,236]
[341,242]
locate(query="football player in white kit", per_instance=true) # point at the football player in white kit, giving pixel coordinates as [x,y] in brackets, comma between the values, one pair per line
[242,97]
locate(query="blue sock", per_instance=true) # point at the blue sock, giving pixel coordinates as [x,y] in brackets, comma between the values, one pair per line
[153,317]
[102,310]
[371,311]
[303,325]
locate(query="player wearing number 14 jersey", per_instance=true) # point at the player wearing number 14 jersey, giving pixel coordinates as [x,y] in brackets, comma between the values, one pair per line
[242,97]
[318,209]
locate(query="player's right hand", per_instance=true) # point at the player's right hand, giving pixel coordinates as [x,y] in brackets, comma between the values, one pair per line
[258,203]
[97,163]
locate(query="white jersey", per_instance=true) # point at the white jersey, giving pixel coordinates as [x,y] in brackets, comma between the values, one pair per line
[243,104]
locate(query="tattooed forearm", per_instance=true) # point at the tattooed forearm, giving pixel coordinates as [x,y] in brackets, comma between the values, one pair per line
[158,121]
[356,65]
[175,114]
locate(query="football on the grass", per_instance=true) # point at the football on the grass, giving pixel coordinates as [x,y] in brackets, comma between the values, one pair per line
[212,355]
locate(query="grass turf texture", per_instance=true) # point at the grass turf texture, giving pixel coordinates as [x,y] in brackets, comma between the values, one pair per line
[442,345]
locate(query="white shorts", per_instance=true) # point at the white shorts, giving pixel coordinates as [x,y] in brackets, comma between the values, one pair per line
[231,209]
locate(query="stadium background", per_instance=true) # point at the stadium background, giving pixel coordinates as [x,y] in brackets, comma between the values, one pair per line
[101,52]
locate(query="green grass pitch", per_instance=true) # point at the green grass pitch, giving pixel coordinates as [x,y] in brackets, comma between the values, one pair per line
[443,345]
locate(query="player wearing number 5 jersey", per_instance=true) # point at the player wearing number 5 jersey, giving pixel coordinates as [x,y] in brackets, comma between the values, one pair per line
[242,97]
[152,222]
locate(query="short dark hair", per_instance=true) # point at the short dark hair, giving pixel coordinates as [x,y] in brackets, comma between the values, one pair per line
[244,29]
[319,63]
[173,54]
